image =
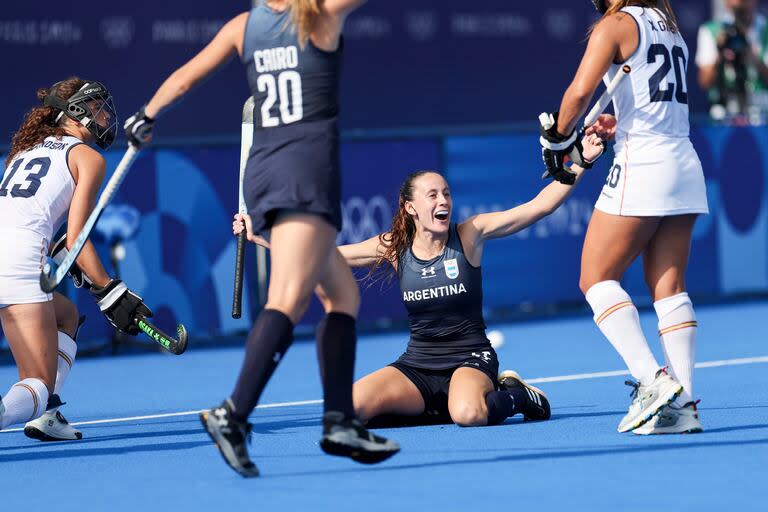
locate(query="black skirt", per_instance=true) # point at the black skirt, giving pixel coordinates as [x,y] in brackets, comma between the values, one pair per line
[294,168]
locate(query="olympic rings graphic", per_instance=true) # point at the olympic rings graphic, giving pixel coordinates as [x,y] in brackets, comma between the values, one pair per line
[362,219]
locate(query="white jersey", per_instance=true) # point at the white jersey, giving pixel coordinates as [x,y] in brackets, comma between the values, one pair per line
[653,100]
[37,188]
[655,171]
[35,194]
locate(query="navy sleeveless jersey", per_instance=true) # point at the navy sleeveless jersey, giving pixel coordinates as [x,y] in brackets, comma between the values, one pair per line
[444,299]
[289,85]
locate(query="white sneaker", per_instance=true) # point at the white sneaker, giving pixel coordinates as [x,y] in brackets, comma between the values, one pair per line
[647,400]
[51,426]
[673,420]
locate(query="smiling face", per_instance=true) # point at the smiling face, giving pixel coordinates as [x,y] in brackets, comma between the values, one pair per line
[431,205]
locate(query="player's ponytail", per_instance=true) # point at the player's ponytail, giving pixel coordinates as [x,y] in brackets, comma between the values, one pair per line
[40,122]
[663,6]
[304,14]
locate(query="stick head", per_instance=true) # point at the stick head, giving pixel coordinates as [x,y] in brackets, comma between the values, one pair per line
[181,336]
[48,276]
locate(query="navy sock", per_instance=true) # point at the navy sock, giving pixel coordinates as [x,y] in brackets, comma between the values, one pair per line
[268,341]
[505,403]
[336,343]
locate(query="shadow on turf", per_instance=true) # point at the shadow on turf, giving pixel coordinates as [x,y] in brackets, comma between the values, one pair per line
[195,428]
[424,420]
[543,455]
[733,429]
[78,452]
[32,444]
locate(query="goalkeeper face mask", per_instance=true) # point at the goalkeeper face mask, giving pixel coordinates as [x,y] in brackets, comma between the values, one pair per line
[93,107]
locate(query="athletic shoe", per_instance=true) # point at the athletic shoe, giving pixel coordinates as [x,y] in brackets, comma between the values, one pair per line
[537,406]
[230,437]
[673,420]
[51,426]
[648,400]
[345,436]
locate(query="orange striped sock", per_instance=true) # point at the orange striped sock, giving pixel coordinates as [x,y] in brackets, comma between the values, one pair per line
[618,320]
[26,400]
[677,330]
[67,353]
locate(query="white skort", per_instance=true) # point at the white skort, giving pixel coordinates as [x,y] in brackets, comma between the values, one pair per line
[22,256]
[654,177]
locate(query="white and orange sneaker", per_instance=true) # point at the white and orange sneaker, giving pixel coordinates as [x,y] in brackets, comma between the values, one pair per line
[673,419]
[647,400]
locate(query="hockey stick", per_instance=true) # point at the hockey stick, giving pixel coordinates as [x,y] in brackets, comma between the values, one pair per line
[606,97]
[52,274]
[175,346]
[246,139]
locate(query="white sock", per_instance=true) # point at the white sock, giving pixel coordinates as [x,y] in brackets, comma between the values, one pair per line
[25,401]
[67,352]
[617,318]
[677,329]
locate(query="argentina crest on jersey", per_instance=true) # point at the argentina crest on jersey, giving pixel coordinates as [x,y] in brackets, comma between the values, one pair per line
[451,268]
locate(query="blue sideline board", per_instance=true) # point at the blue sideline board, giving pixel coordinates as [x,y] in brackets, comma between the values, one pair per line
[181,260]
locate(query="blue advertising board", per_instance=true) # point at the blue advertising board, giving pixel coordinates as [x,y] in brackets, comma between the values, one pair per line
[181,258]
[414,64]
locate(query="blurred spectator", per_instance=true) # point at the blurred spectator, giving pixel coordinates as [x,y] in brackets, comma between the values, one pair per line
[732,58]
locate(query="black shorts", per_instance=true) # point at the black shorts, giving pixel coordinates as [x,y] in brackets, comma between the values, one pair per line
[433,384]
[294,168]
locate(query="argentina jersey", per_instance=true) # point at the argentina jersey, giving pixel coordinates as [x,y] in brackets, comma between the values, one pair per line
[444,298]
[289,84]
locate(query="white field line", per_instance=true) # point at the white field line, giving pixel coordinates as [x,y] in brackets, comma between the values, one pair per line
[560,378]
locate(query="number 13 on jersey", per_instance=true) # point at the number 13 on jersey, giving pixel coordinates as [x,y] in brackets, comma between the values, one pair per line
[285,90]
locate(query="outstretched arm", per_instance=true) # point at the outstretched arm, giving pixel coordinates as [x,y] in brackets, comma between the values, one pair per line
[227,42]
[612,37]
[486,226]
[362,254]
[342,7]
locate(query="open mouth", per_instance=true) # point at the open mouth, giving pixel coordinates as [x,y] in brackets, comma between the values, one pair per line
[441,215]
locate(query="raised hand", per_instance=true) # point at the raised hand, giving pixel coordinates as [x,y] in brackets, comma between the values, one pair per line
[138,128]
[604,127]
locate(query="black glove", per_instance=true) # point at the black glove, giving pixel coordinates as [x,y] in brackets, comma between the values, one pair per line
[138,128]
[555,148]
[120,305]
[58,253]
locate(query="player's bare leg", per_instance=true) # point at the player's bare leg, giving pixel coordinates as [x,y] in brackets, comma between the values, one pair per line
[665,262]
[31,333]
[611,244]
[386,391]
[52,425]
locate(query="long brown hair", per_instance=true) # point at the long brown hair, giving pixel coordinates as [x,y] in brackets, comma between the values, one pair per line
[663,6]
[304,14]
[40,122]
[400,236]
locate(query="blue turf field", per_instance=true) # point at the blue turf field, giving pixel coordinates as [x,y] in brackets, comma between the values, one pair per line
[576,461]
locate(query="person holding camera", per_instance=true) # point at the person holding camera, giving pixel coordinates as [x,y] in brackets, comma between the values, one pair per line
[732,61]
